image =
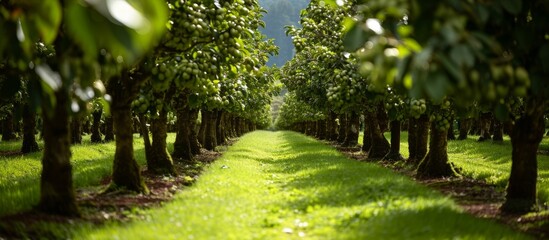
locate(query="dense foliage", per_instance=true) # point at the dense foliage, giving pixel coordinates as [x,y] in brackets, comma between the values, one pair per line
[432,62]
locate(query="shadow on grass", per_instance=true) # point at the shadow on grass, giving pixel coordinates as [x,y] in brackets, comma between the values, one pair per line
[338,181]
[386,205]
[22,192]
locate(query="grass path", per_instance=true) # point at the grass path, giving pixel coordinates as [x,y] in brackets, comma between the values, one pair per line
[282,185]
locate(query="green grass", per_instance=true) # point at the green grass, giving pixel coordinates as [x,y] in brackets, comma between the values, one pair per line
[20,175]
[282,185]
[489,161]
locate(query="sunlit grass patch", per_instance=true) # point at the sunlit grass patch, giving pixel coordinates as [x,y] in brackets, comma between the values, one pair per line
[489,161]
[282,185]
[20,174]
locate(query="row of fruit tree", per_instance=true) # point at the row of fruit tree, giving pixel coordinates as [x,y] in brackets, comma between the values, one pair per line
[426,63]
[137,59]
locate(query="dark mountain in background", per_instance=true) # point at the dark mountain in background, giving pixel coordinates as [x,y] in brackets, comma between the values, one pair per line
[281,13]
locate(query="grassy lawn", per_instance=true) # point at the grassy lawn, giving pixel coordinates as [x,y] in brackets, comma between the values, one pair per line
[20,174]
[282,185]
[489,161]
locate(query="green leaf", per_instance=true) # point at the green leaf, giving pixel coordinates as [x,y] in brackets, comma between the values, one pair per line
[512,6]
[106,104]
[403,67]
[462,55]
[452,68]
[79,25]
[449,34]
[103,25]
[437,85]
[354,38]
[482,13]
[47,19]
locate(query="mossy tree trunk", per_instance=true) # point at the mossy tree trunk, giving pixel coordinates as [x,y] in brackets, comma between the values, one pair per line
[210,138]
[238,127]
[57,194]
[367,138]
[436,163]
[464,126]
[484,125]
[76,130]
[331,130]
[322,129]
[394,152]
[230,126]
[109,129]
[421,139]
[29,127]
[412,140]
[525,139]
[379,146]
[232,131]
[126,172]
[203,126]
[382,117]
[342,129]
[220,127]
[95,132]
[497,131]
[193,118]
[182,144]
[144,129]
[353,130]
[451,135]
[8,130]
[161,162]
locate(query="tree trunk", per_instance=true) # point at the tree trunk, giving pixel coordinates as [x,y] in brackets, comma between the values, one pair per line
[382,118]
[498,131]
[220,127]
[484,124]
[8,131]
[412,140]
[451,135]
[182,144]
[126,172]
[203,126]
[525,139]
[232,128]
[57,194]
[144,129]
[332,127]
[76,130]
[353,130]
[367,137]
[421,139]
[322,129]
[464,125]
[238,128]
[436,163]
[161,162]
[195,145]
[95,133]
[210,139]
[342,128]
[109,129]
[380,146]
[394,152]
[86,127]
[29,128]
